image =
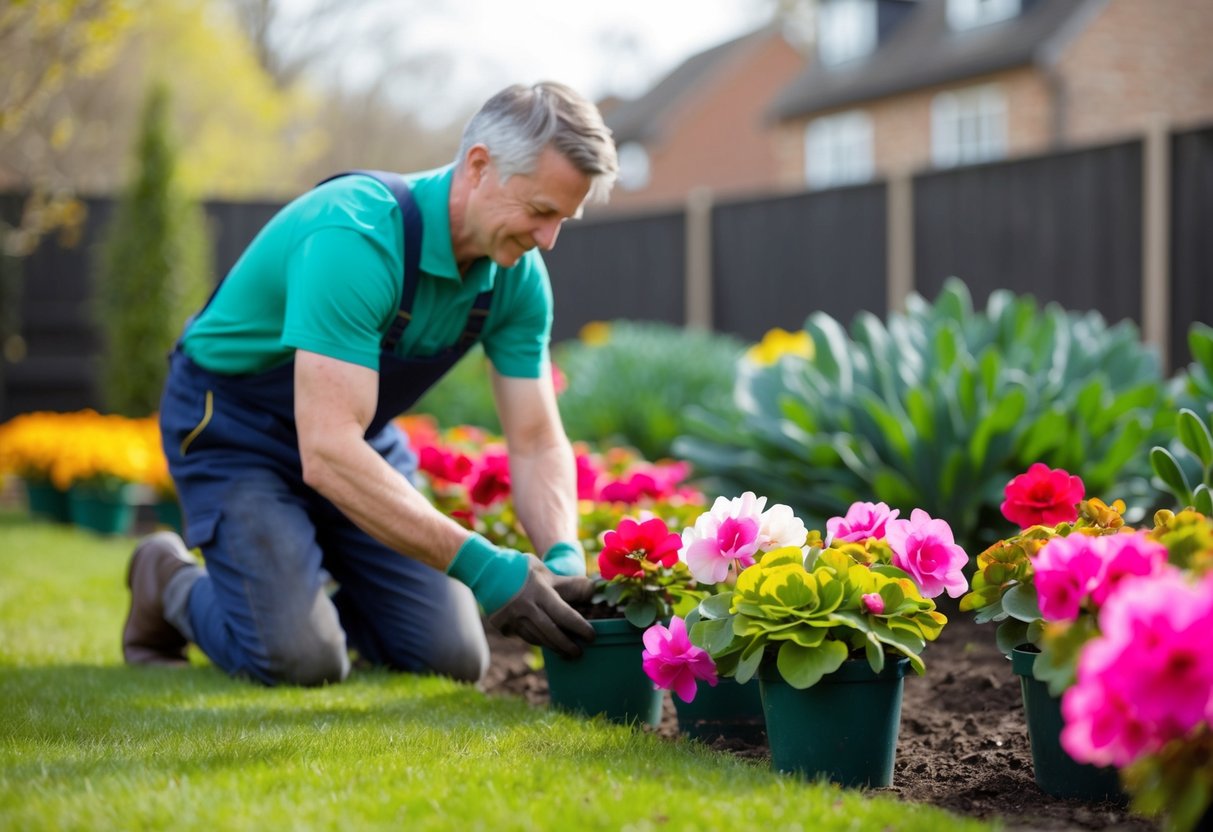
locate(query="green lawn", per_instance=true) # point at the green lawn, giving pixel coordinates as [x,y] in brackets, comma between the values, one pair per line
[87,743]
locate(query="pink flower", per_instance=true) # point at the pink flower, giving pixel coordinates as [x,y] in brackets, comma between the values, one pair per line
[673,663]
[726,533]
[1066,568]
[632,542]
[925,549]
[587,478]
[873,603]
[1071,569]
[1148,678]
[862,521]
[1042,496]
[1125,556]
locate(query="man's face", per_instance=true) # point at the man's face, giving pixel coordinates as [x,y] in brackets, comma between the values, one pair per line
[527,210]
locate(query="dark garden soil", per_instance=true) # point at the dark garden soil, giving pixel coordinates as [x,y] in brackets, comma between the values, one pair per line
[963,744]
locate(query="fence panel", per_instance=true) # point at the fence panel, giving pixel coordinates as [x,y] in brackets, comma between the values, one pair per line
[618,268]
[776,260]
[232,226]
[1191,238]
[1064,228]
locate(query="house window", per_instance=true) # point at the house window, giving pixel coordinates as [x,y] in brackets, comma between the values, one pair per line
[968,126]
[847,30]
[969,14]
[634,171]
[838,150]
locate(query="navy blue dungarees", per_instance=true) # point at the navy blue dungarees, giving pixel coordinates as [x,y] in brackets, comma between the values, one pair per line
[262,609]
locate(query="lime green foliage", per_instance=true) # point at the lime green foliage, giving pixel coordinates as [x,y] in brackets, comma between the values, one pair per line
[1185,468]
[1002,588]
[634,388]
[463,396]
[87,743]
[939,410]
[154,269]
[808,616]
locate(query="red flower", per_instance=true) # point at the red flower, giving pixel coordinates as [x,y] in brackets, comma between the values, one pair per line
[448,466]
[491,481]
[1043,496]
[632,542]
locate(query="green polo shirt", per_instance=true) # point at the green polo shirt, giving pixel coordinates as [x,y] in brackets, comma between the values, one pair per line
[325,273]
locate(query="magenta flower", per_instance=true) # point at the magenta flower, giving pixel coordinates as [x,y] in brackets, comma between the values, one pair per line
[673,663]
[1042,496]
[862,521]
[925,549]
[1066,569]
[873,603]
[1148,678]
[726,533]
[1071,569]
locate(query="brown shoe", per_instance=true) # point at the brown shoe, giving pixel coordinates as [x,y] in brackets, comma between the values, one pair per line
[147,638]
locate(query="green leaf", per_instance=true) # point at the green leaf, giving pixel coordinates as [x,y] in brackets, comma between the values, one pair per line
[641,613]
[1202,500]
[748,666]
[716,606]
[1170,473]
[1021,602]
[1194,434]
[1200,343]
[803,667]
[1010,634]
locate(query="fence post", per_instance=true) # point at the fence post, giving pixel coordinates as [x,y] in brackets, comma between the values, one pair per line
[899,241]
[1155,249]
[697,301]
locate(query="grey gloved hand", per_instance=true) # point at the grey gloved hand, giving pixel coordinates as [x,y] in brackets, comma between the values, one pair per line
[540,611]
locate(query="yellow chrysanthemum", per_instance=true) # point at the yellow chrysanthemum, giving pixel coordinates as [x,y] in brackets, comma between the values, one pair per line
[595,333]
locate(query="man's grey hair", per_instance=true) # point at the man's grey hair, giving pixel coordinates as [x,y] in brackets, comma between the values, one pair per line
[517,123]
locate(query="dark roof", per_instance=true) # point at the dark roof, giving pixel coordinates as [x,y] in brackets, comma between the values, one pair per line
[641,118]
[924,51]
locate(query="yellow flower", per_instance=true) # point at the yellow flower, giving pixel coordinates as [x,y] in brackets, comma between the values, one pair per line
[779,342]
[595,333]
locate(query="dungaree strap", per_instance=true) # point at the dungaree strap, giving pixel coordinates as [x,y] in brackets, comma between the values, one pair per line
[411,216]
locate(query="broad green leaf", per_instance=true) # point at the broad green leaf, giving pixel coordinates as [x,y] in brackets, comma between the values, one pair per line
[1010,634]
[1202,500]
[803,667]
[1021,602]
[641,613]
[1200,343]
[748,666]
[716,606]
[1170,473]
[1194,434]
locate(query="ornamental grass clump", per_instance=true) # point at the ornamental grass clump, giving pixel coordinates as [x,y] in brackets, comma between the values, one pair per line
[805,605]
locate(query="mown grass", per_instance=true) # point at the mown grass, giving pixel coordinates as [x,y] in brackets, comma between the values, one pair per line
[87,743]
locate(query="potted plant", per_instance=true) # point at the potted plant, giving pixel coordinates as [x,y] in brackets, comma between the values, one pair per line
[29,444]
[1142,698]
[640,581]
[1045,586]
[830,633]
[730,536]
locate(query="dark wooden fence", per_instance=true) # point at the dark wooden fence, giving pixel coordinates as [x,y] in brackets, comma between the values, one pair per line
[1066,227]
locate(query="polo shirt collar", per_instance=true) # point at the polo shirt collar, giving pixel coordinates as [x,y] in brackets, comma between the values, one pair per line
[432,192]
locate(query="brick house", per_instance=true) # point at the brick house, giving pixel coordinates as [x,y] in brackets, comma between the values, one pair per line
[899,85]
[704,124]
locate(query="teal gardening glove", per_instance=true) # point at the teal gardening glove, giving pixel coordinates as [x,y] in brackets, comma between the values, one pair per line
[522,597]
[566,558]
